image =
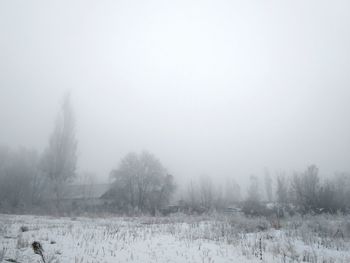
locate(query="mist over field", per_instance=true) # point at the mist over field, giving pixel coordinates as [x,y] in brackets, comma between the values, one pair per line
[226,88]
[213,118]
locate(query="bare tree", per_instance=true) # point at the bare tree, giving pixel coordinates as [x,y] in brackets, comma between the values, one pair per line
[327,198]
[342,190]
[254,190]
[282,189]
[18,171]
[305,188]
[206,191]
[142,183]
[268,186]
[252,205]
[192,195]
[232,191]
[60,158]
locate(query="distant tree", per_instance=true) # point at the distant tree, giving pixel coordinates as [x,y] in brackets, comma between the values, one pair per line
[282,189]
[327,198]
[305,188]
[60,158]
[254,190]
[268,186]
[206,191]
[192,195]
[219,201]
[311,183]
[232,191]
[141,183]
[252,205]
[5,158]
[341,184]
[18,174]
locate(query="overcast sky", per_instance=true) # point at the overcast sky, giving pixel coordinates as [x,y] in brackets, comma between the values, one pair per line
[224,88]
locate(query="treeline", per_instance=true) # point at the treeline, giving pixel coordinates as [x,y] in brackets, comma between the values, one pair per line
[21,185]
[30,181]
[303,192]
[206,194]
[308,193]
[38,183]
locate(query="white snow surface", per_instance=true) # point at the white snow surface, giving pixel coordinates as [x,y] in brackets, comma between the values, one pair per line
[146,239]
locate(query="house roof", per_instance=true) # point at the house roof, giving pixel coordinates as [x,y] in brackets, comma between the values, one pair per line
[85,191]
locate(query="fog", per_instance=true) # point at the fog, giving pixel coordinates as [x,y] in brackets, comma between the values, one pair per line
[224,88]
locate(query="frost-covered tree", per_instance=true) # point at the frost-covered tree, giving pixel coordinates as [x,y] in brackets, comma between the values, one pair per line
[192,195]
[268,186]
[282,189]
[206,191]
[342,190]
[141,183]
[19,179]
[232,191]
[60,158]
[254,189]
[305,188]
[252,204]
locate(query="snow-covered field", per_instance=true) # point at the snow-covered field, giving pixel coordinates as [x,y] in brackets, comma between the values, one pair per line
[174,239]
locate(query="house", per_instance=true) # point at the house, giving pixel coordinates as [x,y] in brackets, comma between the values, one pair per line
[85,195]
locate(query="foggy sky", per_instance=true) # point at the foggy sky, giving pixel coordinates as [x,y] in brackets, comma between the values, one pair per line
[224,88]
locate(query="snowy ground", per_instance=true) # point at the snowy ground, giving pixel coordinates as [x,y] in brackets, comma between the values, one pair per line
[175,239]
